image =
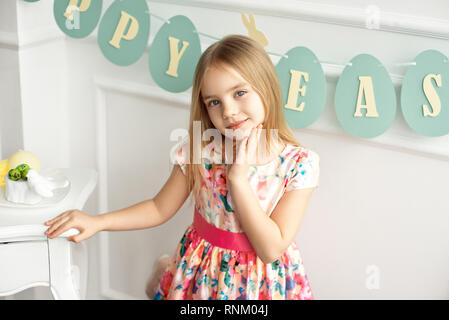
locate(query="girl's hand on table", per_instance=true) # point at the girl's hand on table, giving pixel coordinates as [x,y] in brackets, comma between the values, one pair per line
[86,224]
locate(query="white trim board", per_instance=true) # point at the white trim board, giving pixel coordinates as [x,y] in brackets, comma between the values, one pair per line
[289,9]
[102,86]
[325,13]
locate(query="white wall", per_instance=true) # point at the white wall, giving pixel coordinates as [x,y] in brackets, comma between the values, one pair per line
[11,137]
[380,201]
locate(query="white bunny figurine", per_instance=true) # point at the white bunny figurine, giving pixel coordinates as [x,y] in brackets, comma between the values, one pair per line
[41,185]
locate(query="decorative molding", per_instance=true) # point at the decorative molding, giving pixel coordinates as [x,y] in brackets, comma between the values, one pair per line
[42,35]
[16,40]
[180,100]
[102,86]
[29,232]
[393,140]
[290,9]
[326,13]
[9,40]
[24,287]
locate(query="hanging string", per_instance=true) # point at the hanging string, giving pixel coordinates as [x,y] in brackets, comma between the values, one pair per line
[404,64]
[158,17]
[334,63]
[206,35]
[399,64]
[278,54]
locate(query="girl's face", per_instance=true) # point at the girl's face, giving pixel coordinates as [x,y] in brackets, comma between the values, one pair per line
[229,99]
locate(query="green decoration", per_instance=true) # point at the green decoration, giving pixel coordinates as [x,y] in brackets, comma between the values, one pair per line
[365,99]
[77,19]
[303,87]
[124,30]
[174,54]
[425,94]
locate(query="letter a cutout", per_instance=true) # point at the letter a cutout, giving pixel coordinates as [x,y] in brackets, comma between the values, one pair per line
[366,88]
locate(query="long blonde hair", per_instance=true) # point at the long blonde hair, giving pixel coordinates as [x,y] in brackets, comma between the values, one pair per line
[250,60]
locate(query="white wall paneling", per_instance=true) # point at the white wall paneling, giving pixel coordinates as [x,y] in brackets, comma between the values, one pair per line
[380,205]
[134,159]
[11,130]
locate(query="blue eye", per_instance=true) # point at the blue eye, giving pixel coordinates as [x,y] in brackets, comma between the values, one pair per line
[213,105]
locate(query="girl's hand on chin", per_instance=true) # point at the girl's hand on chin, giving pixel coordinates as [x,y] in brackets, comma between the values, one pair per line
[246,155]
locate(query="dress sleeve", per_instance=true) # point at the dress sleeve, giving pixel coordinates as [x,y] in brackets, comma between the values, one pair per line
[179,155]
[306,172]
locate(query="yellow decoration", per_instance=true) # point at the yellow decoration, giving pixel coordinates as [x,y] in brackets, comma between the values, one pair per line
[175,56]
[295,81]
[73,5]
[431,95]
[26,157]
[3,171]
[121,27]
[366,87]
[253,33]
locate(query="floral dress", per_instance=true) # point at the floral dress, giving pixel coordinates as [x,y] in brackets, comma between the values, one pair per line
[200,271]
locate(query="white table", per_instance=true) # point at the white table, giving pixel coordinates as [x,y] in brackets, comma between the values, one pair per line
[29,259]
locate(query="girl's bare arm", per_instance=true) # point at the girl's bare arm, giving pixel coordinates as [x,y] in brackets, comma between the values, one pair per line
[152,212]
[145,214]
[271,235]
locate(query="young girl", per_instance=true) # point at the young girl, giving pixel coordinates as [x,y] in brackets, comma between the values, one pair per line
[247,210]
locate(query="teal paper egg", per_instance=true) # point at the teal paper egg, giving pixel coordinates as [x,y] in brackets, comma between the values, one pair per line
[124,30]
[365,99]
[174,54]
[77,24]
[425,94]
[303,87]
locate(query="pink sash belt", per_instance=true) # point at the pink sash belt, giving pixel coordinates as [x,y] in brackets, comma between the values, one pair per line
[219,237]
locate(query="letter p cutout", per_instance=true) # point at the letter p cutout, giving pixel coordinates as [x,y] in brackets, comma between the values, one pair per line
[120,30]
[73,6]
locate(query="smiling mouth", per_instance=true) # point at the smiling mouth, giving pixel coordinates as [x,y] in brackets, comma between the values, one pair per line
[237,125]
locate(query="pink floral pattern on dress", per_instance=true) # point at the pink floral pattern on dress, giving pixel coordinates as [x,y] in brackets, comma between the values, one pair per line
[199,270]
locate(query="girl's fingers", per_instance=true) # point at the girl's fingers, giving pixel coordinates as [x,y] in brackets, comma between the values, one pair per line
[57,217]
[83,235]
[259,132]
[61,229]
[252,136]
[252,144]
[241,151]
[56,225]
[76,238]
